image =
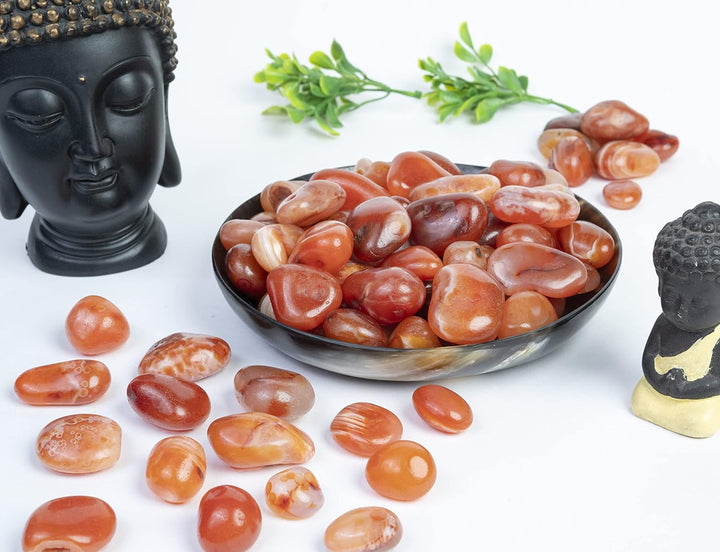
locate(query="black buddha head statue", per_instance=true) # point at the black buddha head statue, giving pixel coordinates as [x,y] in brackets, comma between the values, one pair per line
[687,261]
[84,133]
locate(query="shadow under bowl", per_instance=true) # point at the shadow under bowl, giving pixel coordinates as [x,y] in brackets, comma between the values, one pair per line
[381,363]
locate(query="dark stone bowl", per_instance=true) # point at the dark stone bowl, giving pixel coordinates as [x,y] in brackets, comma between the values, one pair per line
[379,363]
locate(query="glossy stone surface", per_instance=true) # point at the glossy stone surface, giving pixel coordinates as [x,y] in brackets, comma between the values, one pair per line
[401,470]
[354,326]
[243,270]
[442,408]
[326,245]
[662,143]
[175,469]
[310,203]
[379,226]
[257,439]
[517,173]
[294,493]
[362,428]
[466,305]
[551,207]
[481,185]
[612,120]
[387,294]
[282,393]
[79,443]
[302,296]
[625,159]
[168,402]
[95,326]
[526,311]
[418,259]
[229,519]
[78,381]
[622,194]
[238,231]
[358,187]
[410,169]
[70,524]
[587,242]
[530,266]
[187,356]
[367,529]
[413,332]
[573,159]
[438,221]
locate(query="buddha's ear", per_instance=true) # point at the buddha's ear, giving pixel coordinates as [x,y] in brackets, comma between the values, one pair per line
[171,173]
[12,203]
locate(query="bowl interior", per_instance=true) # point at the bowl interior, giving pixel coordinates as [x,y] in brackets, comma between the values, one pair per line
[381,363]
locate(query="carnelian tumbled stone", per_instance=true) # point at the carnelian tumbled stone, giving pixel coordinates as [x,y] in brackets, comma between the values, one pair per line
[77,381]
[588,242]
[466,304]
[410,169]
[79,443]
[70,524]
[95,326]
[442,408]
[531,266]
[257,439]
[168,402]
[526,311]
[282,393]
[622,194]
[354,326]
[401,470]
[294,493]
[368,529]
[187,356]
[413,333]
[362,428]
[175,469]
[228,519]
[302,296]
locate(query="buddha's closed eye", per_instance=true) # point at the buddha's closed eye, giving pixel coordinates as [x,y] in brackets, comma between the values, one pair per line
[35,109]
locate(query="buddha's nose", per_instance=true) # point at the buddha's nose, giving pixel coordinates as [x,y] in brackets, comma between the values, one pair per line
[92,156]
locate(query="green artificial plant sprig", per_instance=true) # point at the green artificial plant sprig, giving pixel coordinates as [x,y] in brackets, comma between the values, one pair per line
[486,91]
[322,91]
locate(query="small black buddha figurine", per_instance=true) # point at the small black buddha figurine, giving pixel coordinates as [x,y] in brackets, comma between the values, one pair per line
[680,390]
[84,133]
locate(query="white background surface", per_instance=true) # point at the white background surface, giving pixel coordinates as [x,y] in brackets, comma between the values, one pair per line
[555,459]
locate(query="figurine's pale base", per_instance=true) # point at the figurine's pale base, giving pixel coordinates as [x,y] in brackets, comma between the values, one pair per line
[698,418]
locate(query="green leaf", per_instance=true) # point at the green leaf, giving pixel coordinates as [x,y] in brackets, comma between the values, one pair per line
[330,85]
[464,54]
[465,35]
[275,110]
[290,91]
[296,115]
[274,77]
[336,51]
[259,77]
[331,116]
[321,59]
[487,108]
[444,111]
[316,91]
[509,79]
[485,53]
[523,82]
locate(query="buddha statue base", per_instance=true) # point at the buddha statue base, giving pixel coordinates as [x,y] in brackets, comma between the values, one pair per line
[66,254]
[699,418]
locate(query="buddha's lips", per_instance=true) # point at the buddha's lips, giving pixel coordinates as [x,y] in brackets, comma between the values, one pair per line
[90,184]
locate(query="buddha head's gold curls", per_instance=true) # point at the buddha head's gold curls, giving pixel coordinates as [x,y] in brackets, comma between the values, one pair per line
[27,22]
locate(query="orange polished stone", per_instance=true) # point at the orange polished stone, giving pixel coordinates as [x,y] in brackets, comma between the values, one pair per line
[279,392]
[362,428]
[294,493]
[79,443]
[401,470]
[70,524]
[95,326]
[188,356]
[229,519]
[257,439]
[168,402]
[368,529]
[71,382]
[442,408]
[175,469]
